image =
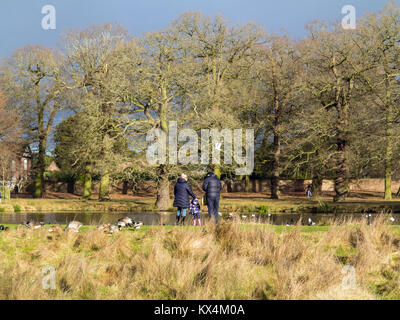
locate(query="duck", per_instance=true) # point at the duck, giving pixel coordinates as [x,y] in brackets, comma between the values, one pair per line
[109,228]
[73,226]
[125,222]
[3,228]
[138,224]
[33,225]
[55,228]
[291,223]
[114,228]
[104,226]
[392,219]
[310,222]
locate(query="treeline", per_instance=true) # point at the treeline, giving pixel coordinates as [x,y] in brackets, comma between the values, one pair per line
[325,106]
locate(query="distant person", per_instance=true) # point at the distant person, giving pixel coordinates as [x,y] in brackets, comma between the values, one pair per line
[212,186]
[309,190]
[182,191]
[0,197]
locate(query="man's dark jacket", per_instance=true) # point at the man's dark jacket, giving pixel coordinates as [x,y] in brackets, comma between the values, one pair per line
[212,186]
[182,191]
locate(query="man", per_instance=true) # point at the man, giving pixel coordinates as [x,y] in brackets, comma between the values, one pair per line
[212,186]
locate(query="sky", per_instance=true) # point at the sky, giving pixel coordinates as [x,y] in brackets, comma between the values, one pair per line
[21,20]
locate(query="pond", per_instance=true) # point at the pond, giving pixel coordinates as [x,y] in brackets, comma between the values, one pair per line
[168,218]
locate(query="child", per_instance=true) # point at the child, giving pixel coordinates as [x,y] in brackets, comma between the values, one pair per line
[194,209]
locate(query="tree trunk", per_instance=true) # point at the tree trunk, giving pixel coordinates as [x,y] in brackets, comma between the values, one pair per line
[341,179]
[87,182]
[162,202]
[217,170]
[104,191]
[247,183]
[71,186]
[316,186]
[125,187]
[275,168]
[39,180]
[389,153]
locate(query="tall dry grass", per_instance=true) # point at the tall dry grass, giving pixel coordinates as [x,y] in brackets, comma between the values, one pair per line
[228,261]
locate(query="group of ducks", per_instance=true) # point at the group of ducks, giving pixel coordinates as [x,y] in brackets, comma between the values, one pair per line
[74,226]
[125,222]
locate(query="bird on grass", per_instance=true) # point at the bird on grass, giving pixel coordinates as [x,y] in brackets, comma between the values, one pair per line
[310,222]
[128,222]
[55,228]
[33,225]
[109,228]
[73,226]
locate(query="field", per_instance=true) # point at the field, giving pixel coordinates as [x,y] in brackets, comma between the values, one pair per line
[228,261]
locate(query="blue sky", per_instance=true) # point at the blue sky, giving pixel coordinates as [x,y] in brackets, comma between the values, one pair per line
[20,20]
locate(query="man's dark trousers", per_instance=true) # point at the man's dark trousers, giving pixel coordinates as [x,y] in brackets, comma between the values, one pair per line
[213,205]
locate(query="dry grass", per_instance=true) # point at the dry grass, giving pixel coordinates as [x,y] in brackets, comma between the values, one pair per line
[228,261]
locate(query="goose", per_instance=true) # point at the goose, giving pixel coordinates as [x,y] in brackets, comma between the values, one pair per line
[73,226]
[114,228]
[310,222]
[290,223]
[55,228]
[109,228]
[125,222]
[33,225]
[138,224]
[104,227]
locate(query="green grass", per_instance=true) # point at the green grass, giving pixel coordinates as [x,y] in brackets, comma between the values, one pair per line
[245,226]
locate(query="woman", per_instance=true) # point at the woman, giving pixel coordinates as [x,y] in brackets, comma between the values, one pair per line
[182,191]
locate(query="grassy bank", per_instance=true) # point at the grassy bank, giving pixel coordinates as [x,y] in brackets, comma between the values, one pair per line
[228,261]
[65,205]
[235,203]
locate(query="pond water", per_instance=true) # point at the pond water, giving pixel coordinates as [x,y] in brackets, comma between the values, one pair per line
[168,218]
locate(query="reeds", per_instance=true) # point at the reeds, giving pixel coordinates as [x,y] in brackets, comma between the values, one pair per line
[228,261]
